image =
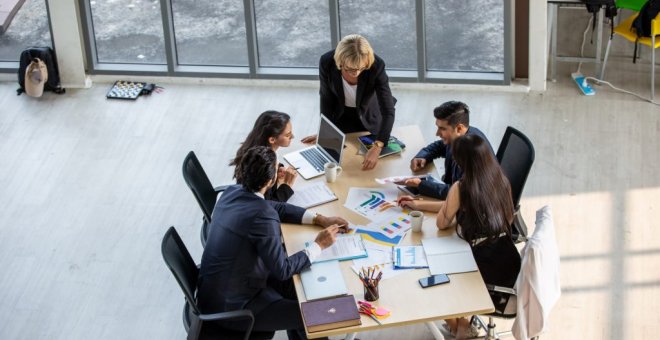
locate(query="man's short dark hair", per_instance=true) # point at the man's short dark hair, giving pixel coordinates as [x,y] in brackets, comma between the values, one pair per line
[454,112]
[257,167]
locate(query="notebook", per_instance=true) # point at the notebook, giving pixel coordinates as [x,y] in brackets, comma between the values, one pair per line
[449,255]
[323,280]
[332,313]
[328,148]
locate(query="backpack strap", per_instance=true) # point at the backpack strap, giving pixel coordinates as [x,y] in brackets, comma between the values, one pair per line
[635,52]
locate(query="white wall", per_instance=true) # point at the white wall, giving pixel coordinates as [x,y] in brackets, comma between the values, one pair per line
[538,44]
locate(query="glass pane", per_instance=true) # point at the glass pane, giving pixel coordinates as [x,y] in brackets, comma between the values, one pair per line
[210,32]
[465,35]
[292,38]
[29,27]
[388,25]
[128,31]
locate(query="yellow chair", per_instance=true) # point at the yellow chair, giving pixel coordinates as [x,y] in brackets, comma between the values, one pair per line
[624,30]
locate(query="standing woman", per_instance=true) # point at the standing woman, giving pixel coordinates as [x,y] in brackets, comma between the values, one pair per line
[480,203]
[272,129]
[355,93]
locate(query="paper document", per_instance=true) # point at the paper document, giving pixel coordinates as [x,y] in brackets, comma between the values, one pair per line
[346,247]
[448,255]
[375,204]
[409,257]
[312,195]
[395,179]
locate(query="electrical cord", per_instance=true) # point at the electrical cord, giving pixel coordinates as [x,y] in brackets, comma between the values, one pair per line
[584,39]
[600,81]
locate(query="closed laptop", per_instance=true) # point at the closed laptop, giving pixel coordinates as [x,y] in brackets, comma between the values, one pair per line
[322,280]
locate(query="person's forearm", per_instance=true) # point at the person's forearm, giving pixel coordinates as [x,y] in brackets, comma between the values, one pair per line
[443,221]
[428,206]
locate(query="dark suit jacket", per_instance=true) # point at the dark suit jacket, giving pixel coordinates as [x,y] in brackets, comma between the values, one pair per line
[244,250]
[374,100]
[453,172]
[280,193]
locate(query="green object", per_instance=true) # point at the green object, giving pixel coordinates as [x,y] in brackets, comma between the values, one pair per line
[634,5]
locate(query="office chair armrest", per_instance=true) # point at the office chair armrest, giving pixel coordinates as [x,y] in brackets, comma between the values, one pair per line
[236,314]
[500,289]
[221,188]
[196,326]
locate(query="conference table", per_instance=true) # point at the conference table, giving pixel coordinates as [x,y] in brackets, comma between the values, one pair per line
[466,293]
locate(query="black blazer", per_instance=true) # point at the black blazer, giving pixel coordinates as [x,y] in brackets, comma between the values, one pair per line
[244,249]
[374,100]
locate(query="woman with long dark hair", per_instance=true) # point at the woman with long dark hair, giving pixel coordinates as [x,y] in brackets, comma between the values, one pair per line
[481,206]
[272,129]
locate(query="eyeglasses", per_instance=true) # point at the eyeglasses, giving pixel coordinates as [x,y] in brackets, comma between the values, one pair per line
[353,70]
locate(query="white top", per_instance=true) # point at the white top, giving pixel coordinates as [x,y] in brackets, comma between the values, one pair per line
[538,285]
[350,92]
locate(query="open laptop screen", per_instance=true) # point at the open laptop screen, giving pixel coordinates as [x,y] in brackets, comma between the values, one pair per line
[330,139]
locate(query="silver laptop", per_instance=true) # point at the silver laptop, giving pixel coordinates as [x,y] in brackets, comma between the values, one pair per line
[328,148]
[323,280]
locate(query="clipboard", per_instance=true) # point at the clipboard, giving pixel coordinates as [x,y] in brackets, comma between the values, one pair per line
[346,247]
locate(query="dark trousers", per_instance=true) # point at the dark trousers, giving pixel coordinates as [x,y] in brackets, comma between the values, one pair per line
[279,315]
[350,121]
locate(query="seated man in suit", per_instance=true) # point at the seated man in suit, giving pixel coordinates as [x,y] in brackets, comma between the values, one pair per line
[244,265]
[453,120]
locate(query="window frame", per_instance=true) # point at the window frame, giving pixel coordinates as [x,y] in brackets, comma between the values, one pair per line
[254,71]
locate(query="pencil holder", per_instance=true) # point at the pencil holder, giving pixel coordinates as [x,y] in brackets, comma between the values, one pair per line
[371,293]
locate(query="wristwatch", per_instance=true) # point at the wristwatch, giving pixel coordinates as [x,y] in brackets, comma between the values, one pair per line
[379,144]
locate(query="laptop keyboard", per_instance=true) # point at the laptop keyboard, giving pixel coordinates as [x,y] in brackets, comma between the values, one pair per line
[315,158]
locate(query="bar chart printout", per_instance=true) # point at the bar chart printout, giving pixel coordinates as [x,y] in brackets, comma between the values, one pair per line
[374,204]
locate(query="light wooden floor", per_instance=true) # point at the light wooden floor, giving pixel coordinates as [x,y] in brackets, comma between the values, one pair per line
[88,186]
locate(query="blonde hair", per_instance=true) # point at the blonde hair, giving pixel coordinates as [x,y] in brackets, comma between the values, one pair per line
[354,50]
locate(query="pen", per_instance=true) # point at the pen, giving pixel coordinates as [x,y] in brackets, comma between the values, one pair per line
[375,319]
[414,199]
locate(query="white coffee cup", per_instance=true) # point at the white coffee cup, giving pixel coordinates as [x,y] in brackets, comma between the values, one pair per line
[416,220]
[332,170]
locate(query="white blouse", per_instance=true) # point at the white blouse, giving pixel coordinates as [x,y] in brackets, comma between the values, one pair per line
[350,92]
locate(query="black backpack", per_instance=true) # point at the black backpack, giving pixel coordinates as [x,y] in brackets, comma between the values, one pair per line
[593,6]
[47,55]
[642,24]
[648,12]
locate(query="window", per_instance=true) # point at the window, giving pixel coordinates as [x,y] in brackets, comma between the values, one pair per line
[389,27]
[465,35]
[292,33]
[128,31]
[29,27]
[464,41]
[210,32]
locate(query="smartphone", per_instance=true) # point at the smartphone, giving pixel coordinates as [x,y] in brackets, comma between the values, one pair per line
[433,280]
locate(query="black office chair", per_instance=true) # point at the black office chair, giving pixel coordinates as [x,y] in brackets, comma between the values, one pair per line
[516,156]
[178,260]
[202,189]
